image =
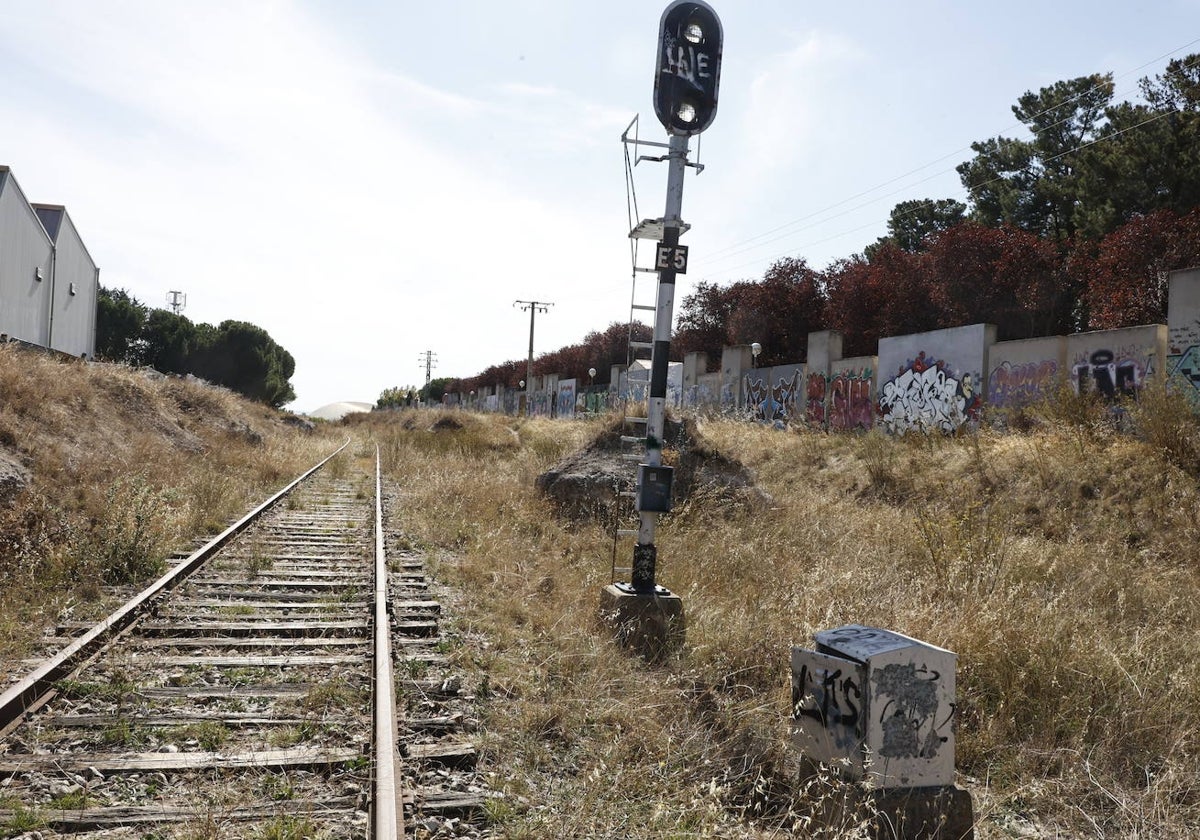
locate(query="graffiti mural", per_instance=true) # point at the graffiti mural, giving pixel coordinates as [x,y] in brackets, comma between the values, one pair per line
[759,402]
[926,395]
[540,404]
[814,409]
[1184,369]
[1183,362]
[566,399]
[786,394]
[850,401]
[1013,386]
[1113,374]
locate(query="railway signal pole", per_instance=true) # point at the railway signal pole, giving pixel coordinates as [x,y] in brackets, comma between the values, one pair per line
[687,77]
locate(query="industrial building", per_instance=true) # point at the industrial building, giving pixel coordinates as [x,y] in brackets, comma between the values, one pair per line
[49,284]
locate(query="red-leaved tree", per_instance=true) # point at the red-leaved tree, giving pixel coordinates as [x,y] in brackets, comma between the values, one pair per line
[1002,276]
[1125,279]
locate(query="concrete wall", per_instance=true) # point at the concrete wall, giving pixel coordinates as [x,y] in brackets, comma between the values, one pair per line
[1026,371]
[695,365]
[735,361]
[1117,363]
[850,394]
[1183,331]
[933,381]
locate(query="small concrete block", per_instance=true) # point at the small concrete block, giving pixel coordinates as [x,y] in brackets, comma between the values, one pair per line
[650,623]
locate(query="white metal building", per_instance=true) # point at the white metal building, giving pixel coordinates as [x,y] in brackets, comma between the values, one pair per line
[49,284]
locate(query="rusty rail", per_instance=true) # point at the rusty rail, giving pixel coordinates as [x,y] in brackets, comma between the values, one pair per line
[388,817]
[31,691]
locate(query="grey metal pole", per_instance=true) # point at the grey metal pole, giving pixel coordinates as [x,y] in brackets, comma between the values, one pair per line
[645,554]
[529,360]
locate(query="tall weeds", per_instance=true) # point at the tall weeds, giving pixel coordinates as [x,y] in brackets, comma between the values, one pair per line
[1057,563]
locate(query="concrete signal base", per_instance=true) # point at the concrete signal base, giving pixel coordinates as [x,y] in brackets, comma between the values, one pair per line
[650,623]
[926,813]
[933,813]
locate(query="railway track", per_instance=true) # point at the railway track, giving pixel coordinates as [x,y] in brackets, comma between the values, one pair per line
[250,692]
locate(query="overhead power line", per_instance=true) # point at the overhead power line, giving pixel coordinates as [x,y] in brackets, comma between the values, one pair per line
[743,246]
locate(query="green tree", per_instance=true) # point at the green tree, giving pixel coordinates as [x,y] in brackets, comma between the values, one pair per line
[434,390]
[397,397]
[244,358]
[119,320]
[1149,155]
[169,341]
[1036,184]
[912,223]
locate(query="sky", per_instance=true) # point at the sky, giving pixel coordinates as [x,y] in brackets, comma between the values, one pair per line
[373,181]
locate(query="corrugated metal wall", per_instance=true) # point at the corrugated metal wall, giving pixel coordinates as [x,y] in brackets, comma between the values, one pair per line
[76,288]
[49,285]
[25,255]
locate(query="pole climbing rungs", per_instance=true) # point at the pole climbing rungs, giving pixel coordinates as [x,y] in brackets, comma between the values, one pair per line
[642,345]
[645,307]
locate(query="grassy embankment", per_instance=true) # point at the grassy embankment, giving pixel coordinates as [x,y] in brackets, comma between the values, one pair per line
[1058,562]
[124,467]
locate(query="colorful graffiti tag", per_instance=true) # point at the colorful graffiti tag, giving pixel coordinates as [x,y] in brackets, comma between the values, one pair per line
[814,410]
[566,399]
[1113,374]
[1184,368]
[926,396]
[850,401]
[786,393]
[1012,386]
[759,401]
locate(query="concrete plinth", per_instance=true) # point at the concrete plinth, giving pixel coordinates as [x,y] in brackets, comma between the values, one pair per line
[650,623]
[943,812]
[935,813]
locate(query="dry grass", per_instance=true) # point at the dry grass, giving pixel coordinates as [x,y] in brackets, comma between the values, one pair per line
[125,467]
[1058,560]
[1058,563]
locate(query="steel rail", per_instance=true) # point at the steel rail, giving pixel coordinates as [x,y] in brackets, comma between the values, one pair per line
[35,686]
[388,806]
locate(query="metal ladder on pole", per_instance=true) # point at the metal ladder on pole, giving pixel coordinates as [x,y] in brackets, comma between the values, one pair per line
[643,304]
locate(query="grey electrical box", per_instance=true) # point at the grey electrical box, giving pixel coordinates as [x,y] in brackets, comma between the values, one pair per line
[654,488]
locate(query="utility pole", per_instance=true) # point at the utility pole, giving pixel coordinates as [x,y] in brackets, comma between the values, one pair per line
[532,307]
[177,301]
[428,360]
